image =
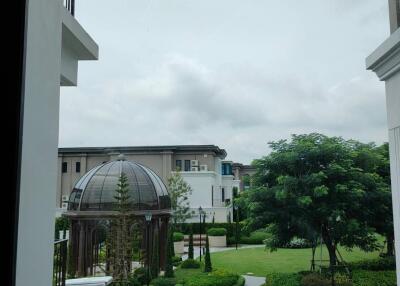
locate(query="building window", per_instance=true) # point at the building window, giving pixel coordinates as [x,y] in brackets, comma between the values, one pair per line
[64,167]
[178,165]
[78,167]
[187,165]
[223,195]
[226,169]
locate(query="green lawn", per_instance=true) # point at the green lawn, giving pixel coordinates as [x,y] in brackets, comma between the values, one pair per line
[260,261]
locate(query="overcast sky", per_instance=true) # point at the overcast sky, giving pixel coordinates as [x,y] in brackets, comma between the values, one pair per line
[233,73]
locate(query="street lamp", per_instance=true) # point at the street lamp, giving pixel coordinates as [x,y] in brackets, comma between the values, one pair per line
[236,208]
[200,212]
[148,216]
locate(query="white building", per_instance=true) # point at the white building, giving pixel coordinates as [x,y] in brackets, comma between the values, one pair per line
[54,43]
[385,62]
[202,166]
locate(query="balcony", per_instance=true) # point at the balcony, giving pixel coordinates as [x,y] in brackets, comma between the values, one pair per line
[77,45]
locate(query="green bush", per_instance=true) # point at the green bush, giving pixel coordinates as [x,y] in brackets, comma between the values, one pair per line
[62,223]
[176,260]
[240,282]
[283,279]
[374,278]
[230,228]
[379,264]
[177,236]
[140,274]
[315,279]
[215,278]
[298,243]
[217,231]
[162,281]
[256,237]
[190,263]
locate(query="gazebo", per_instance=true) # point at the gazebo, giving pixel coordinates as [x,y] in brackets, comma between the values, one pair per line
[92,208]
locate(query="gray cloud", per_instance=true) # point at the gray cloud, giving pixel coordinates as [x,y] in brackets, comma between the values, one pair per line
[183,78]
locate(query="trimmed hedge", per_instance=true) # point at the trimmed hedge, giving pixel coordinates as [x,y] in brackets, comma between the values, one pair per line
[217,231]
[177,236]
[378,264]
[283,279]
[374,278]
[256,237]
[162,281]
[190,263]
[215,278]
[230,228]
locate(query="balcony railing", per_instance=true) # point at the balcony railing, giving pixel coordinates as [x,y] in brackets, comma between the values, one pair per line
[70,5]
[60,262]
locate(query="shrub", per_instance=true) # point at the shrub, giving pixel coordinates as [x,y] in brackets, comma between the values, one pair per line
[315,279]
[140,275]
[207,258]
[298,243]
[161,281]
[379,264]
[190,263]
[283,279]
[177,236]
[256,237]
[215,278]
[176,260]
[217,231]
[240,282]
[374,278]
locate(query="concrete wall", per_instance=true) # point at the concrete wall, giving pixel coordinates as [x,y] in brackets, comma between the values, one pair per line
[39,145]
[385,62]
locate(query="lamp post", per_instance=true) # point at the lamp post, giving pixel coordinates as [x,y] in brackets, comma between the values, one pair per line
[236,208]
[200,211]
[148,216]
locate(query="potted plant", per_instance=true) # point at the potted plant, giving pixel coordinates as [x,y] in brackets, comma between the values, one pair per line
[217,237]
[179,244]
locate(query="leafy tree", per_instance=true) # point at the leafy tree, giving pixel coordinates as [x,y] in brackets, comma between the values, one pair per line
[179,192]
[313,181]
[207,258]
[190,248]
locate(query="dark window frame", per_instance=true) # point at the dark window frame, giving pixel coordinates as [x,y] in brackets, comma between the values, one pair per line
[178,165]
[78,167]
[187,165]
[64,167]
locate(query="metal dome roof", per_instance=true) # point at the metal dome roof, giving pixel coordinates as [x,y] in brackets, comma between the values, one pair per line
[96,189]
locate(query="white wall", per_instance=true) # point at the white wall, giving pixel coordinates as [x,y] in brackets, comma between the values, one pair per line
[385,61]
[39,144]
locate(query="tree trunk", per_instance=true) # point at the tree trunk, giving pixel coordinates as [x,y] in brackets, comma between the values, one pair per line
[330,245]
[390,244]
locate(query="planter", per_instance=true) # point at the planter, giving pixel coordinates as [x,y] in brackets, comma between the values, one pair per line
[179,247]
[217,241]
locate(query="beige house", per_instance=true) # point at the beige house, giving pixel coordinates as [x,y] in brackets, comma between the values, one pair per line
[202,166]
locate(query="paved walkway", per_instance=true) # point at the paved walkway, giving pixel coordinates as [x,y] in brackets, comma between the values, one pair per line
[253,280]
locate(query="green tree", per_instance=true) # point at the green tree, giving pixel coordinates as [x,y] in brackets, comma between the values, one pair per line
[120,233]
[207,257]
[190,248]
[312,181]
[179,192]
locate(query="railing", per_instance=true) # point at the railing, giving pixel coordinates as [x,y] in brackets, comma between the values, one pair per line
[60,262]
[70,5]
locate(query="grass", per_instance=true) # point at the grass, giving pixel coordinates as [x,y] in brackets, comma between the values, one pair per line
[260,261]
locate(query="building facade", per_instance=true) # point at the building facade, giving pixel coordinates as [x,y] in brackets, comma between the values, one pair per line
[385,62]
[203,167]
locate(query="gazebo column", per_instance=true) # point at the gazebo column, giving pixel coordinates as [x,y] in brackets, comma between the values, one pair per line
[81,250]
[163,241]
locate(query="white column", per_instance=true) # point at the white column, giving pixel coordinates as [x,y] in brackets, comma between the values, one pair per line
[385,61]
[39,144]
